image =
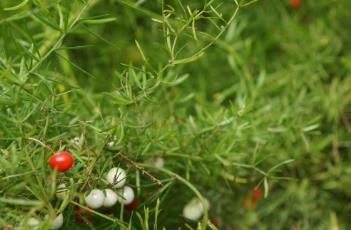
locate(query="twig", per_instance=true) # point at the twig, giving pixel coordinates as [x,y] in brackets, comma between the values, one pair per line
[41,143]
[143,171]
[88,175]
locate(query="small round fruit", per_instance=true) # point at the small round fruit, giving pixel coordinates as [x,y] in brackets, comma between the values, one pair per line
[95,199]
[110,198]
[126,195]
[79,216]
[116,177]
[75,141]
[58,222]
[195,209]
[83,215]
[295,4]
[33,222]
[62,161]
[132,205]
[256,193]
[110,144]
[61,191]
[214,221]
[159,162]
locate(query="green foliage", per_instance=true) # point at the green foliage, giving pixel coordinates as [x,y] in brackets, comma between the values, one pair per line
[231,94]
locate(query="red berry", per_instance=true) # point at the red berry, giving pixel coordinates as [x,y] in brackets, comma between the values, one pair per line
[295,4]
[256,193]
[82,215]
[214,221]
[132,205]
[78,215]
[62,161]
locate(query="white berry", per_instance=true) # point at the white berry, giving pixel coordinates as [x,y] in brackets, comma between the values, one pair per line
[110,198]
[95,199]
[159,162]
[75,140]
[116,177]
[33,222]
[195,209]
[58,222]
[111,144]
[61,191]
[126,195]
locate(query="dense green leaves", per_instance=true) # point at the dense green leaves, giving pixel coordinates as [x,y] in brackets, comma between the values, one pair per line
[230,94]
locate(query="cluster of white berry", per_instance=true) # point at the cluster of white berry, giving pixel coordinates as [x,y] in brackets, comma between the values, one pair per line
[96,198]
[108,197]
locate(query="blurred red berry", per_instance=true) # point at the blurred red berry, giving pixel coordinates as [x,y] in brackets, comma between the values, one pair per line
[295,4]
[82,215]
[214,221]
[251,198]
[256,193]
[78,215]
[62,161]
[132,205]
